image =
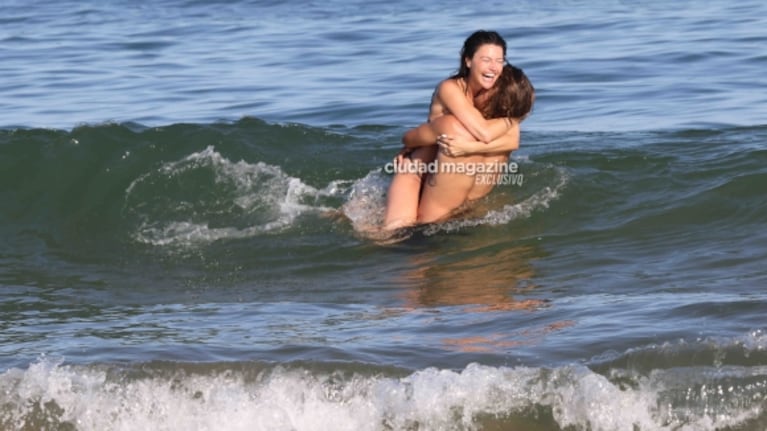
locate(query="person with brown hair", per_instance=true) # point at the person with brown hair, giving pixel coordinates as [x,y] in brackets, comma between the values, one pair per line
[502,107]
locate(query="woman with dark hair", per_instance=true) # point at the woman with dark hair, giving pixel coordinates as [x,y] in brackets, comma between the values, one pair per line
[478,111]
[468,169]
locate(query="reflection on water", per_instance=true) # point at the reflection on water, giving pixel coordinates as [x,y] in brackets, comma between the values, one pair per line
[493,279]
[485,279]
[498,341]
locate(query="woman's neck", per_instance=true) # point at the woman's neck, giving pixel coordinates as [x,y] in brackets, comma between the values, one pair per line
[472,90]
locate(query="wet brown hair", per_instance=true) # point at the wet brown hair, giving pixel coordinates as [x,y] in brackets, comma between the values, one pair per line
[513,95]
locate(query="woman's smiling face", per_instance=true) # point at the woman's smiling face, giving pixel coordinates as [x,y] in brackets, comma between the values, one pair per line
[485,66]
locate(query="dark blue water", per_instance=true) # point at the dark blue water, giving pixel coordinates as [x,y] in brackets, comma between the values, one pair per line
[183,186]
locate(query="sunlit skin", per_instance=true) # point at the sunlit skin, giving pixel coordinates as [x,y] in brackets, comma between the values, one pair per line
[456,97]
[444,193]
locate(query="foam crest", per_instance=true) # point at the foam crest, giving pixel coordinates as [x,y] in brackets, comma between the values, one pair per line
[539,200]
[205,197]
[297,398]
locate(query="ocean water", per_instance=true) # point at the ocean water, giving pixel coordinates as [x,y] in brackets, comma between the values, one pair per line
[184,185]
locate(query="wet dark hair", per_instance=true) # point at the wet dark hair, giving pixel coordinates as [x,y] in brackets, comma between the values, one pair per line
[472,44]
[513,95]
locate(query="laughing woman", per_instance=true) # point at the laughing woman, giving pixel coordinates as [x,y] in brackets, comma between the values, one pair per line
[464,96]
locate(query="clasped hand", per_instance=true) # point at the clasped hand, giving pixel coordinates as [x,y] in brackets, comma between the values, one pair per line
[451,146]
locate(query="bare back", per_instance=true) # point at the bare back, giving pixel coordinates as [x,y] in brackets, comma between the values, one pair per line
[455,181]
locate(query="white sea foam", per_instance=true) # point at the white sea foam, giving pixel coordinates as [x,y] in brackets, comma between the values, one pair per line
[539,200]
[367,201]
[290,398]
[241,200]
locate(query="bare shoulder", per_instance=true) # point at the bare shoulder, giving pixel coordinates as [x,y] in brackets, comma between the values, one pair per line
[449,85]
[448,92]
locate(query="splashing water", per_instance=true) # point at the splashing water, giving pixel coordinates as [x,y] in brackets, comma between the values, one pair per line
[205,197]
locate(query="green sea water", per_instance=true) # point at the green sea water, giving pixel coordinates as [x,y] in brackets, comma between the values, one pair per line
[184,187]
